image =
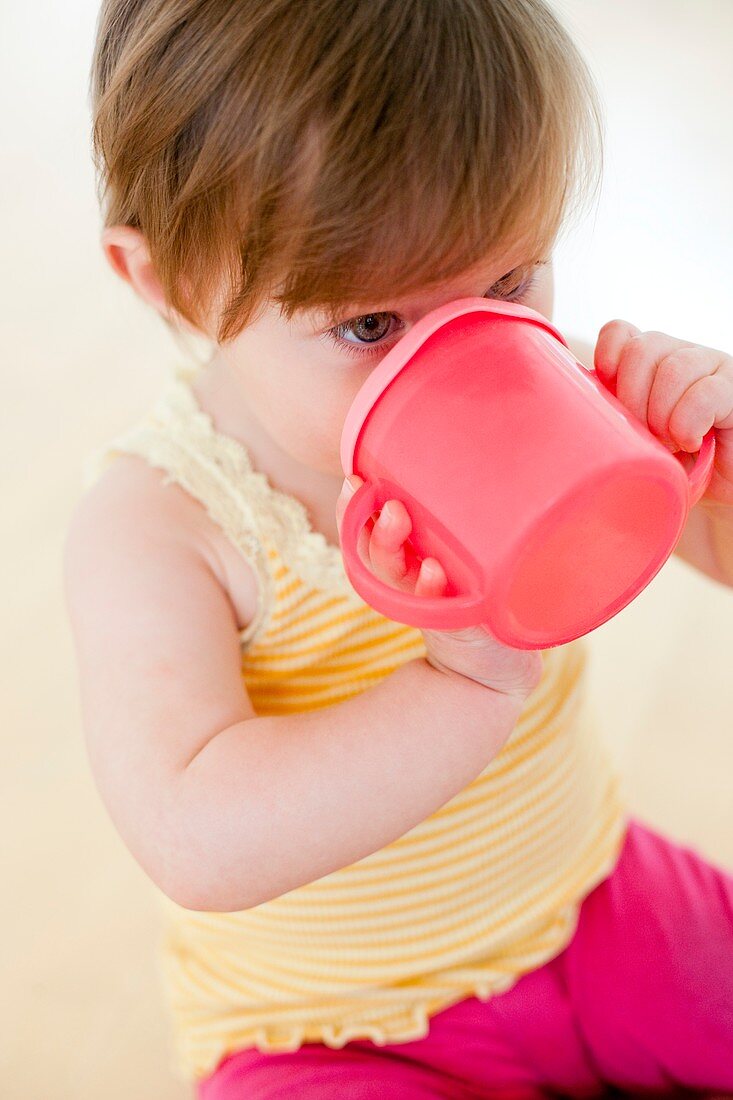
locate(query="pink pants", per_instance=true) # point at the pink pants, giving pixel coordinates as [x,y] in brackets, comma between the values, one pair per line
[641,999]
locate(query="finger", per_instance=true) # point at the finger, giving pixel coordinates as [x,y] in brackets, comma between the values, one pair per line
[386,545]
[611,339]
[674,417]
[431,580]
[707,403]
[637,367]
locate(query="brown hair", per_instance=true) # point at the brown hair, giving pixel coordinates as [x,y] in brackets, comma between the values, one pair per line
[324,152]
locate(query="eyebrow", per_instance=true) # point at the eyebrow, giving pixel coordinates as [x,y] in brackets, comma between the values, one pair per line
[334,316]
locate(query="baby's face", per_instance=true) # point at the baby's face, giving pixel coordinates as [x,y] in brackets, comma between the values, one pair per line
[300,377]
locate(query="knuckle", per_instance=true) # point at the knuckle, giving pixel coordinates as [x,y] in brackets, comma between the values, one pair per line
[672,370]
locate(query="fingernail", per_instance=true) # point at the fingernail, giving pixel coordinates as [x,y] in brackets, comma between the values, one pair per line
[386,515]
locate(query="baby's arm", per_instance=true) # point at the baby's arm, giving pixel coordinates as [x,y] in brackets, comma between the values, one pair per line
[222,808]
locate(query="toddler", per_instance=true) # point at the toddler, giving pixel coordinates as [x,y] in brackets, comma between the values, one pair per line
[391,862]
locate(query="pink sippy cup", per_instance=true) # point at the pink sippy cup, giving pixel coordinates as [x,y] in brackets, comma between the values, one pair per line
[549,505]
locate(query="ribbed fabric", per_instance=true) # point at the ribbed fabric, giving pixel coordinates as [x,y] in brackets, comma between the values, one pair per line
[483,890]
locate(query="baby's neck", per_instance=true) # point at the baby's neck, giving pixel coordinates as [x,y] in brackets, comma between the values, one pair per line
[219,396]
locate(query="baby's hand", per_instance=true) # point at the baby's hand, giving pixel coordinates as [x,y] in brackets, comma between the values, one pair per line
[677,389]
[472,652]
[383,547]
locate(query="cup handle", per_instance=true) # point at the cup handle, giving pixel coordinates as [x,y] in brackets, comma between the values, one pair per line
[431,612]
[699,475]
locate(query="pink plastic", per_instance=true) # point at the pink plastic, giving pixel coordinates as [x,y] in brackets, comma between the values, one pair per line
[549,505]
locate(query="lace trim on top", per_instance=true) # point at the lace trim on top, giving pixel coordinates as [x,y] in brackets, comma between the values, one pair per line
[216,469]
[280,518]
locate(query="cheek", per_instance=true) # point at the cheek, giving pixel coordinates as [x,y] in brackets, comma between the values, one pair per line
[310,421]
[300,397]
[325,426]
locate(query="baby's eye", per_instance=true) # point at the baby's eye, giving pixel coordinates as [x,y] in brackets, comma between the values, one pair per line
[508,287]
[371,328]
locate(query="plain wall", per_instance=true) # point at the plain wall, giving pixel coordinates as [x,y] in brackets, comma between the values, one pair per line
[81,1014]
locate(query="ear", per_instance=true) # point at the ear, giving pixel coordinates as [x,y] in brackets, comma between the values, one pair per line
[128,255]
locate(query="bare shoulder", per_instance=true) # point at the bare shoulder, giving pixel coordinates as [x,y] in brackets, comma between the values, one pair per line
[139,491]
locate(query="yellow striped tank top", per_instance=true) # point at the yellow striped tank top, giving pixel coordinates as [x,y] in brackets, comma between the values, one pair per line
[483,890]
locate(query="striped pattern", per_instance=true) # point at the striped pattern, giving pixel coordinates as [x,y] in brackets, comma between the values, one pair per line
[320,649]
[485,889]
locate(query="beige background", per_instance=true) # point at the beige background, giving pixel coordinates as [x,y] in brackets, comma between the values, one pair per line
[81,1012]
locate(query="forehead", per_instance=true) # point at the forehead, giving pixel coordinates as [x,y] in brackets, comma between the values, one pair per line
[487,271]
